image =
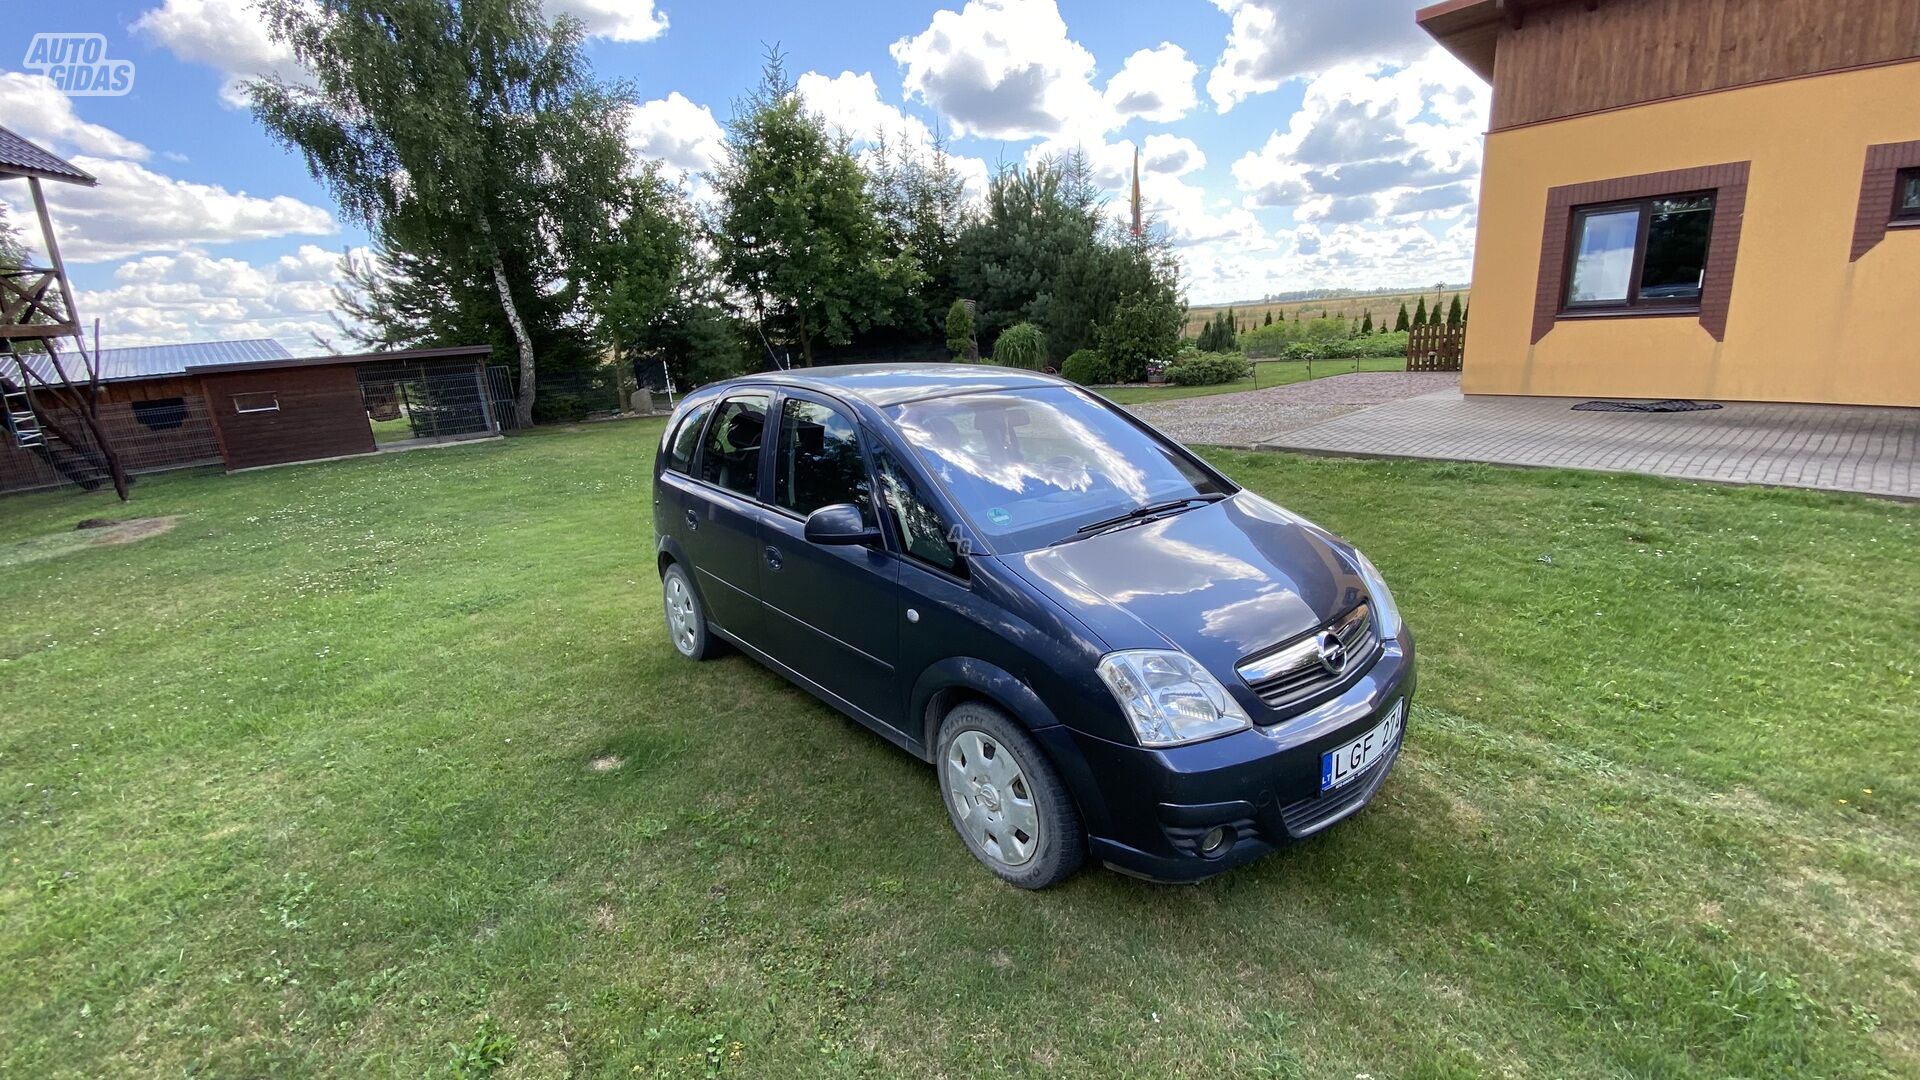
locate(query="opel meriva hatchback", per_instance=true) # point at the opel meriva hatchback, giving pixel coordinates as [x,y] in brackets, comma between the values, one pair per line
[1103,645]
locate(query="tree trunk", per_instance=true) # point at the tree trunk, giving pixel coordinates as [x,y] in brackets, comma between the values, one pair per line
[806,341]
[523,401]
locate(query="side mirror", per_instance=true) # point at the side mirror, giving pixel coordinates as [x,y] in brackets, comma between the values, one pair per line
[840,523]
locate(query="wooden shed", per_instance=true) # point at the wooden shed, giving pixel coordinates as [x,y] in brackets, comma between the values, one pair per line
[280,411]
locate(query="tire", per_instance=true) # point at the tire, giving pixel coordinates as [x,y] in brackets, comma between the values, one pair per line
[686,616]
[1005,799]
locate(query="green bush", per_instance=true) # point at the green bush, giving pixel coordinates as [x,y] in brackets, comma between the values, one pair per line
[1140,331]
[1208,369]
[1021,345]
[960,331]
[1088,368]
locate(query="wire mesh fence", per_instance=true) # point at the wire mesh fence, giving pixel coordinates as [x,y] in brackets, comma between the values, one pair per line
[426,401]
[150,436]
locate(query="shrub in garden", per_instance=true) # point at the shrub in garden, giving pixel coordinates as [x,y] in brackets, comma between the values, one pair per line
[1087,367]
[1021,345]
[960,331]
[1208,369]
[1139,331]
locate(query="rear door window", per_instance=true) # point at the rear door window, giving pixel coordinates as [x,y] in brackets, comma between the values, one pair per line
[686,439]
[730,454]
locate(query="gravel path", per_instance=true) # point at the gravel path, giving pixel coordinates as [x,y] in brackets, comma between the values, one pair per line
[1258,415]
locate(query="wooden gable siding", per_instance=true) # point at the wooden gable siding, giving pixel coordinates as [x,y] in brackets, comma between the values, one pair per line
[321,415]
[1565,59]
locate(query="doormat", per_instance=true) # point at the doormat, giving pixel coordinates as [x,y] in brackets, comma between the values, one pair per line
[1670,405]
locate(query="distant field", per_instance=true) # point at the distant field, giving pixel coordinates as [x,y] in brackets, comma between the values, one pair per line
[1384,307]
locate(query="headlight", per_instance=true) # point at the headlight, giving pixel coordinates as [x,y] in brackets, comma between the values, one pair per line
[1386,613]
[1169,698]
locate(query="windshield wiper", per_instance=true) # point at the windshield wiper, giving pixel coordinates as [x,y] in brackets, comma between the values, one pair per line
[1144,513]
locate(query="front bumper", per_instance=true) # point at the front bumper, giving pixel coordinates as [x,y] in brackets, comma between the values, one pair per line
[1148,809]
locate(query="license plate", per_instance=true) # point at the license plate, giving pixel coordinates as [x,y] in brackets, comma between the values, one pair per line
[1342,763]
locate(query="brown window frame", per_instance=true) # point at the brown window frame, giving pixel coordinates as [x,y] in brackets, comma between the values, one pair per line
[1879,211]
[1904,215]
[1727,182]
[1684,305]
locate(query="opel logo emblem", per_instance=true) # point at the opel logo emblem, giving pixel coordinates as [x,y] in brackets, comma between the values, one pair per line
[1333,652]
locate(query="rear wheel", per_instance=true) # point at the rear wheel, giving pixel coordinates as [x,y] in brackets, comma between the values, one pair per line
[1005,799]
[686,618]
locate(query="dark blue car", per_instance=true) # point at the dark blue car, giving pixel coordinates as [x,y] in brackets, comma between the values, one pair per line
[1104,646]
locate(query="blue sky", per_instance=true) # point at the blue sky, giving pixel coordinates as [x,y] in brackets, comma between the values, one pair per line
[1287,144]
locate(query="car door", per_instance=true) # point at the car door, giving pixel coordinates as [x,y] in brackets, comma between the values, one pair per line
[831,609]
[720,517]
[674,481]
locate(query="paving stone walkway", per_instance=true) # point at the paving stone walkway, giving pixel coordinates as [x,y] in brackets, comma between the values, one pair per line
[1874,451]
[1247,418]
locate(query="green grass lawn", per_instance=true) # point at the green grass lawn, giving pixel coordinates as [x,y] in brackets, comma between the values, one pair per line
[1269,373]
[385,767]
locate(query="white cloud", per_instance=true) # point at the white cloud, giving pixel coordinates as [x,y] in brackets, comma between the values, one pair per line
[1404,140]
[1004,69]
[1155,85]
[1272,41]
[36,108]
[190,296]
[230,36]
[616,20]
[136,210]
[851,104]
[1174,155]
[674,131]
[226,35]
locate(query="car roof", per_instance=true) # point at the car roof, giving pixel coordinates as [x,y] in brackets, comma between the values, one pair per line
[882,385]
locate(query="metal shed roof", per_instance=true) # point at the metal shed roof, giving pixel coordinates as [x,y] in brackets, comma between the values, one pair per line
[158,361]
[18,157]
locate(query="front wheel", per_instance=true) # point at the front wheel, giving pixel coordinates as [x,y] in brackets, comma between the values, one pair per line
[686,617]
[1005,800]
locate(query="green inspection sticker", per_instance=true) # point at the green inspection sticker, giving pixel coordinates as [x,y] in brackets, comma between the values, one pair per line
[999,516]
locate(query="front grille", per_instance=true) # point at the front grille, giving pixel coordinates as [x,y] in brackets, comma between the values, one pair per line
[1293,671]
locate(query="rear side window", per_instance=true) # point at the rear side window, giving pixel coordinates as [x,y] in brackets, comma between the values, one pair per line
[819,461]
[686,438]
[730,453]
[923,532]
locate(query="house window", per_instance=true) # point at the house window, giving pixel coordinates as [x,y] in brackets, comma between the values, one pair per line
[251,403]
[161,414]
[1642,253]
[1906,195]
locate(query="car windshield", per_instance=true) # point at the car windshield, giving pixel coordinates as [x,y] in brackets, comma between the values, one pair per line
[1032,468]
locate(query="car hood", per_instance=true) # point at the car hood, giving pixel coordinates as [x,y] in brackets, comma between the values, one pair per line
[1219,582]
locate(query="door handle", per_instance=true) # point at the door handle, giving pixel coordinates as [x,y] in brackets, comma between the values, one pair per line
[693,520]
[773,557]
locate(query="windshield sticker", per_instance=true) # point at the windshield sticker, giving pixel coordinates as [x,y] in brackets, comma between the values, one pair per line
[999,516]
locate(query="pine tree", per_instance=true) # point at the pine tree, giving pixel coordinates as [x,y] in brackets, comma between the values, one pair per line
[799,237]
[1269,321]
[1420,313]
[1455,315]
[1401,324]
[1466,311]
[1366,323]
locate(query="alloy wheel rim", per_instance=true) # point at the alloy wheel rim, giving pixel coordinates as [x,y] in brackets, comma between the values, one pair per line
[680,618]
[991,798]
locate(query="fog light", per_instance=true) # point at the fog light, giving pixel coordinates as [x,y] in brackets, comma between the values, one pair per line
[1218,839]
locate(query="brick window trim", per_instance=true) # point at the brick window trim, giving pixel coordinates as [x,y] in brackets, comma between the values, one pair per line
[1884,162]
[1728,182]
